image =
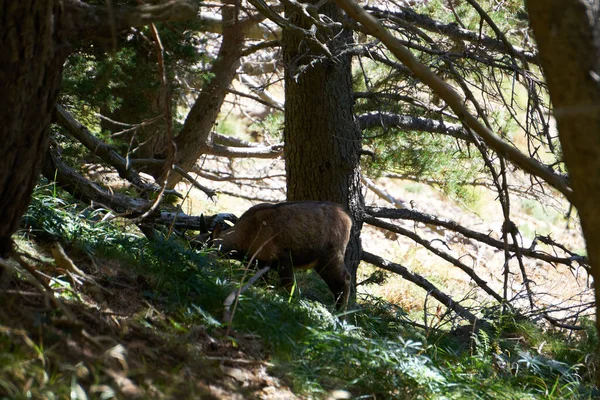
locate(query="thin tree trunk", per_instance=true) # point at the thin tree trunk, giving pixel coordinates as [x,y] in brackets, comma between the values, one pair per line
[568,37]
[193,140]
[322,140]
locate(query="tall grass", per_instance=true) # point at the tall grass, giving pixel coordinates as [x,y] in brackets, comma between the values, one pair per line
[374,353]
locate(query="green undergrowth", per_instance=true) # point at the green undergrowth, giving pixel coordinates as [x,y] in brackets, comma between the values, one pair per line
[166,336]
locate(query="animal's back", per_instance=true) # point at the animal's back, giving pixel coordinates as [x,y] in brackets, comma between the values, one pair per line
[305,228]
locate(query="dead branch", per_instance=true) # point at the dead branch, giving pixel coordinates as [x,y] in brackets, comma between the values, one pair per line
[266,98]
[272,14]
[38,281]
[101,22]
[261,46]
[231,141]
[413,215]
[153,161]
[406,16]
[213,22]
[273,151]
[382,193]
[381,96]
[106,152]
[424,284]
[235,295]
[427,244]
[377,119]
[454,100]
[240,195]
[256,98]
[179,221]
[217,176]
[55,169]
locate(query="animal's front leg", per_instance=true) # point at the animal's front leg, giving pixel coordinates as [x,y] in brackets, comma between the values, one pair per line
[286,275]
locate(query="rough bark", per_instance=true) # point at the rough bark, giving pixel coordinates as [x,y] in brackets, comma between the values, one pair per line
[32,51]
[322,140]
[35,39]
[568,37]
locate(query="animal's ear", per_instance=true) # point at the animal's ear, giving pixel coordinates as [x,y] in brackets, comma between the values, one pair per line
[216,230]
[203,227]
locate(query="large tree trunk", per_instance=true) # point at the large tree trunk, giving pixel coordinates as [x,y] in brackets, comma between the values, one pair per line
[35,38]
[568,37]
[32,52]
[322,141]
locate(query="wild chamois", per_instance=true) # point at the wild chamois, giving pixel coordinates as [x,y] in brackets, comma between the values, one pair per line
[303,235]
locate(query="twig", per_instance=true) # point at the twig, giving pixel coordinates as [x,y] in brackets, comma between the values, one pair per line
[453,99]
[171,148]
[154,161]
[239,361]
[106,152]
[39,284]
[469,271]
[413,215]
[234,296]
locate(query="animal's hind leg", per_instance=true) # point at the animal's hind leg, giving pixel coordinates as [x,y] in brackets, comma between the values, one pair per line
[337,278]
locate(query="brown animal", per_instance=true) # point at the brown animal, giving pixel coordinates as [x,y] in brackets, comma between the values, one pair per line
[302,235]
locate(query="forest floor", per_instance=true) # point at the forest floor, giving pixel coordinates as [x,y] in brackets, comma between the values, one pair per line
[113,331]
[113,335]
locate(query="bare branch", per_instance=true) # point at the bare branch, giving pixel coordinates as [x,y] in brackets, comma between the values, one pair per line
[382,193]
[219,177]
[385,96]
[267,98]
[307,34]
[100,22]
[262,199]
[73,182]
[413,215]
[411,123]
[213,22]
[101,149]
[225,140]
[273,151]
[454,100]
[469,271]
[178,221]
[156,162]
[453,31]
[422,283]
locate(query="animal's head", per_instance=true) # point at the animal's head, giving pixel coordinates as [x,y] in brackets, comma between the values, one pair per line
[211,227]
